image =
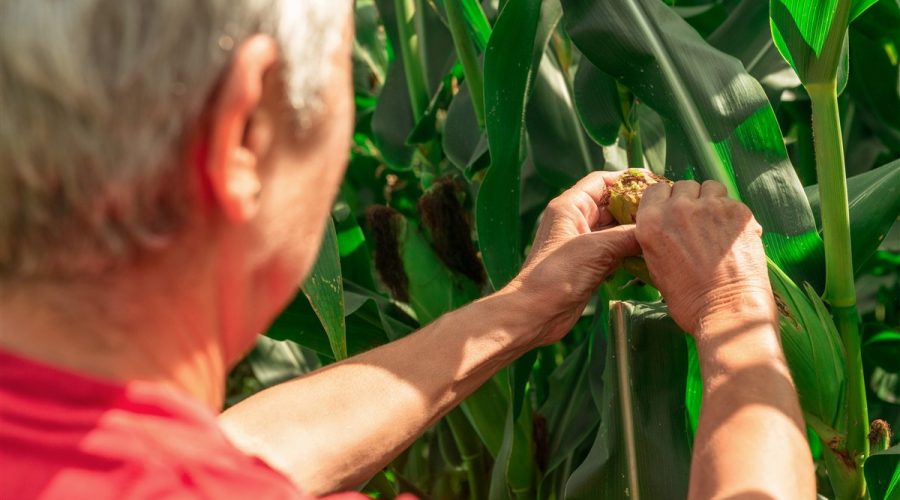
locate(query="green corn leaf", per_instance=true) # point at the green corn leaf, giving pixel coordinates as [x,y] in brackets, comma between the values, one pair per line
[653,138]
[642,449]
[693,394]
[561,152]
[812,347]
[874,207]
[325,291]
[370,58]
[857,7]
[369,51]
[368,310]
[740,36]
[367,323]
[597,102]
[433,289]
[478,24]
[511,60]
[883,348]
[464,142]
[883,474]
[875,84]
[298,323]
[425,130]
[881,20]
[486,410]
[393,121]
[446,445]
[639,43]
[520,373]
[356,260]
[514,471]
[274,361]
[719,123]
[811,35]
[569,411]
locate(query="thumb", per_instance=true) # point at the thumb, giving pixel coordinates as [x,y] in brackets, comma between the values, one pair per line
[603,250]
[614,243]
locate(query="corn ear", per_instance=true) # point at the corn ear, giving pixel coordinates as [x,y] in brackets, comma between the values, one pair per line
[624,197]
[812,347]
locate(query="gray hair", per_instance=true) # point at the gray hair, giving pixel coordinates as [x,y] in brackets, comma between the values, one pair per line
[95,99]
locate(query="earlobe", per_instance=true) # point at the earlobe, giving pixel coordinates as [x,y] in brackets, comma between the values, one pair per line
[242,186]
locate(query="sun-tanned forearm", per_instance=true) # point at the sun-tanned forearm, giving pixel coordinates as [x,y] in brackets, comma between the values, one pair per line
[337,427]
[705,253]
[751,441]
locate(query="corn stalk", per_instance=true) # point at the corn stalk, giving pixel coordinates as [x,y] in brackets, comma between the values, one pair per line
[840,289]
[410,25]
[468,56]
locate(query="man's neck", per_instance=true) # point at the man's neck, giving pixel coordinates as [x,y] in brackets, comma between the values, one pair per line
[122,329]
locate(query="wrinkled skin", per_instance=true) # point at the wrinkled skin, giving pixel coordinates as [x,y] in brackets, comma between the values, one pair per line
[577,246]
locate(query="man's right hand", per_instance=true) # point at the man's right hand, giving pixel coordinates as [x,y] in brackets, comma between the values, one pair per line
[704,253]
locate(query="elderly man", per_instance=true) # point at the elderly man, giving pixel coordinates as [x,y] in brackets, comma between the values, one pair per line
[166,168]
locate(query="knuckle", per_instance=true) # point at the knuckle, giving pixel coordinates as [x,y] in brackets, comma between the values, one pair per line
[681,206]
[755,227]
[742,212]
[556,205]
[655,187]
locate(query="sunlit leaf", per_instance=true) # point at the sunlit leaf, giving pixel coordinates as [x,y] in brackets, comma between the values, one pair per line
[719,122]
[812,347]
[325,291]
[811,35]
[511,59]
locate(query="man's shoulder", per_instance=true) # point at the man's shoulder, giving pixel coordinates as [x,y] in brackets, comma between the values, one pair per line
[67,436]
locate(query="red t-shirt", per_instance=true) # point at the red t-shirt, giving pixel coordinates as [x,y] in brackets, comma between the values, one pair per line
[66,436]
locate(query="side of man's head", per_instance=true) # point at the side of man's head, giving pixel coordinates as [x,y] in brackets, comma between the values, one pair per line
[109,104]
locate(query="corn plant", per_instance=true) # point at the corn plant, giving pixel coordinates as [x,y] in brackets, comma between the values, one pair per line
[472,115]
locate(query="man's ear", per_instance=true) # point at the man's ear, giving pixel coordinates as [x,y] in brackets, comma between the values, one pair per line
[234,145]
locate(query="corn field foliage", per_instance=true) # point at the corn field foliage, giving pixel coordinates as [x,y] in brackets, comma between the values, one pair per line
[471,116]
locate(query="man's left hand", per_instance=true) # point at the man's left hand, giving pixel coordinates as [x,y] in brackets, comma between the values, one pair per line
[577,246]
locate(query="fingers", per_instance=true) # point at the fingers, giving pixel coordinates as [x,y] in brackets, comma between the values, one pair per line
[713,189]
[686,189]
[584,199]
[595,184]
[585,196]
[621,241]
[655,195]
[613,243]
